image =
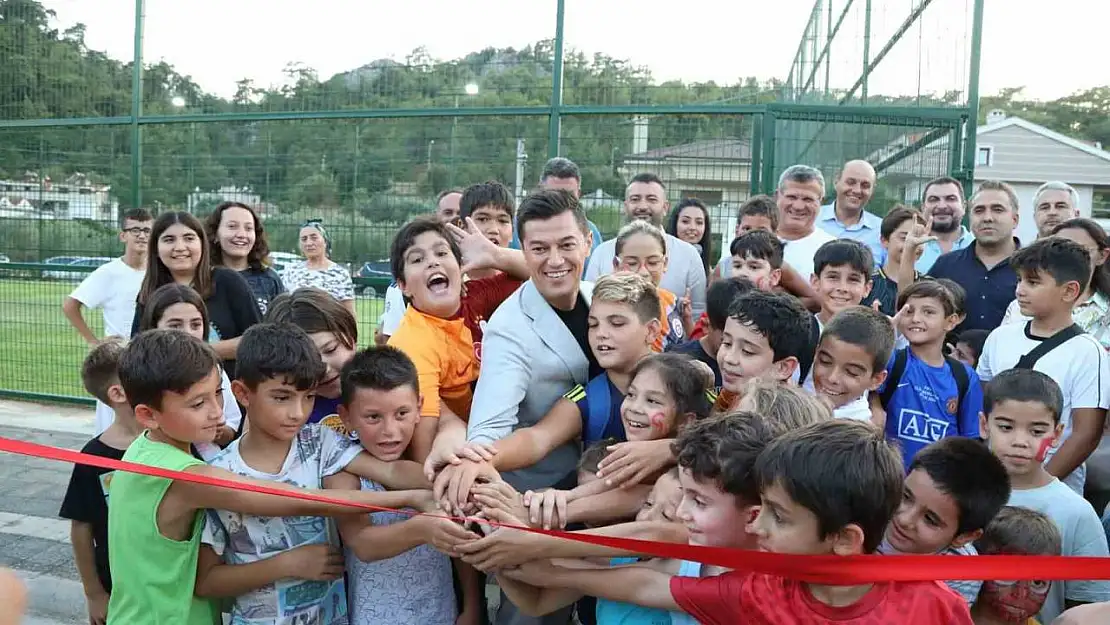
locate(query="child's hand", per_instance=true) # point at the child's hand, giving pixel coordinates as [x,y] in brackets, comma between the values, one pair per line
[425,501]
[224,436]
[452,486]
[98,607]
[501,497]
[321,563]
[502,546]
[629,464]
[444,534]
[478,252]
[547,507]
[920,234]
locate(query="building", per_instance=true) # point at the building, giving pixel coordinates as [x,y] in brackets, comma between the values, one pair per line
[204,201]
[76,197]
[1018,152]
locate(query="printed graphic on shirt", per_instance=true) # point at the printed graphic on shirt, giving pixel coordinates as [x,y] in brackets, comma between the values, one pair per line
[105,483]
[920,427]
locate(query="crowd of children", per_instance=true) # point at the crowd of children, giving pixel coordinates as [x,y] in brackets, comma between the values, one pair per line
[864,427]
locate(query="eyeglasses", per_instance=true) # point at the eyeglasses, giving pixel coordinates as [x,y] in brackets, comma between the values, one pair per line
[136,231]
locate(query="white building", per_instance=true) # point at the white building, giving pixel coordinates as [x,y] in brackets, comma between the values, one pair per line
[243,195]
[74,198]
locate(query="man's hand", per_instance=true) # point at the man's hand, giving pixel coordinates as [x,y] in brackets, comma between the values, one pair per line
[629,464]
[98,607]
[321,563]
[452,486]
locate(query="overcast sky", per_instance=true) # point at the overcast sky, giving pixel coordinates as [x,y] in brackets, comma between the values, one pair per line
[1052,48]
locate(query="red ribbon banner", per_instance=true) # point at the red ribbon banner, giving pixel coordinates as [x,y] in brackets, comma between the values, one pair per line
[836,570]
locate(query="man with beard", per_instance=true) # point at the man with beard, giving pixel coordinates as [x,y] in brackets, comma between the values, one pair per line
[645,198]
[1054,203]
[846,217]
[983,268]
[943,202]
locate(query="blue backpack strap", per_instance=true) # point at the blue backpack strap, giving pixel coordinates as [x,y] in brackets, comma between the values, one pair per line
[599,397]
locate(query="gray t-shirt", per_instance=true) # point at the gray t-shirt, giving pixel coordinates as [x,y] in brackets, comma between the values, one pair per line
[413,588]
[1082,535]
[684,270]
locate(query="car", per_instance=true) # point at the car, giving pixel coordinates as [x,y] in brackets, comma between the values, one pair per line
[4,258]
[280,260]
[85,261]
[373,269]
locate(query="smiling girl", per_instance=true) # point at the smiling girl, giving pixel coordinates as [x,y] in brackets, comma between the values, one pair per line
[689,221]
[641,248]
[237,240]
[181,256]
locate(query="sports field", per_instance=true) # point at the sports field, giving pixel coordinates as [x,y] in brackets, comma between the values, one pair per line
[41,353]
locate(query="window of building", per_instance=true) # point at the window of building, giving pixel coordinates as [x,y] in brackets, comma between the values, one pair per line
[985,156]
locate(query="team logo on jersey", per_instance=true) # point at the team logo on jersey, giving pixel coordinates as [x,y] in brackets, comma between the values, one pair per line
[952,405]
[336,424]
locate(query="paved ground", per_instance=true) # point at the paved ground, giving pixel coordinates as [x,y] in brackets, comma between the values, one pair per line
[33,541]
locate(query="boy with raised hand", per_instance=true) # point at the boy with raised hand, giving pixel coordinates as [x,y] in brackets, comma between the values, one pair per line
[86,499]
[1015,531]
[892,236]
[172,382]
[1052,274]
[850,360]
[954,488]
[927,395]
[394,554]
[1021,423]
[827,489]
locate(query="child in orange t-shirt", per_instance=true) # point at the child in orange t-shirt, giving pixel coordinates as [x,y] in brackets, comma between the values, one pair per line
[640,248]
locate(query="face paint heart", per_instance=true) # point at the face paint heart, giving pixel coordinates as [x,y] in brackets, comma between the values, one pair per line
[658,421]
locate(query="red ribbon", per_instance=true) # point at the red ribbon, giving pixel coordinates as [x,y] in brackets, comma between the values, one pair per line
[834,570]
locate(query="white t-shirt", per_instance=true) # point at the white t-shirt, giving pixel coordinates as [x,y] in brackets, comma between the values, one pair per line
[1082,535]
[394,310]
[799,253]
[1080,366]
[316,453]
[112,287]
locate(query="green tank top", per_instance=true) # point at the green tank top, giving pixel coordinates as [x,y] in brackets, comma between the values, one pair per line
[153,577]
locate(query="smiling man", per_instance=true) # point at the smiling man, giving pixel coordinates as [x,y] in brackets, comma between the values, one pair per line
[645,199]
[847,217]
[799,194]
[943,202]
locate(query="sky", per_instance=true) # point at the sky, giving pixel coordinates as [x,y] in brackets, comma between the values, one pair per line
[218,42]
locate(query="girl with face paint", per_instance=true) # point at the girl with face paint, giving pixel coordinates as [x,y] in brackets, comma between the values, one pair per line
[1015,531]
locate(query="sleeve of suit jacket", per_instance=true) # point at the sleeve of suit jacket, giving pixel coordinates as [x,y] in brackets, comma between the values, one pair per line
[505,375]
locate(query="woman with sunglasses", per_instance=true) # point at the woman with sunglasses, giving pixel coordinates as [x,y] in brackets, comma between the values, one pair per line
[317,270]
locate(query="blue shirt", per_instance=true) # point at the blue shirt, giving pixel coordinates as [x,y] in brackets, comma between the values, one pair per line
[989,291]
[931,250]
[923,409]
[693,349]
[866,231]
[614,427]
[323,408]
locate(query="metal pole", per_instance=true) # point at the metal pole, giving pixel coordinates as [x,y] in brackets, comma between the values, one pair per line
[866,49]
[967,172]
[554,123]
[454,127]
[137,109]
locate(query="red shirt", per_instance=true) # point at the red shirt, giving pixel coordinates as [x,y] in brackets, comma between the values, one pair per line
[701,328]
[480,298]
[757,599]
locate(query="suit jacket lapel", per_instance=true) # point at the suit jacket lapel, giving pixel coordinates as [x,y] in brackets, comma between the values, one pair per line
[551,330]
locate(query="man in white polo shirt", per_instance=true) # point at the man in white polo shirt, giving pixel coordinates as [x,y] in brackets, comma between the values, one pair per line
[799,195]
[113,288]
[645,198]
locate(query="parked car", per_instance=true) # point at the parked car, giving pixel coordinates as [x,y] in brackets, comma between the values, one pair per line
[280,260]
[376,269]
[4,258]
[92,262]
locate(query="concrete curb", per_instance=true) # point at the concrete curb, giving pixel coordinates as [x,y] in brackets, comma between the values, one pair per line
[55,598]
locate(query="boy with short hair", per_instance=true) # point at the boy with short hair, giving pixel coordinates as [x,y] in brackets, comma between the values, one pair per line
[827,489]
[718,299]
[757,256]
[172,382]
[841,276]
[892,236]
[391,554]
[954,488]
[926,395]
[1015,531]
[1020,423]
[86,499]
[764,336]
[850,360]
[1052,274]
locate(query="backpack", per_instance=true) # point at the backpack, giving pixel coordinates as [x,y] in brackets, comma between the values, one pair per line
[899,367]
[599,397]
[1056,340]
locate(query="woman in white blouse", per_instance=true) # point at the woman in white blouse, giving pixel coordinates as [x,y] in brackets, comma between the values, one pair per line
[317,270]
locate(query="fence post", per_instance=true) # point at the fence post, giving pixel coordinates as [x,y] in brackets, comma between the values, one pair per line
[967,168]
[767,177]
[554,121]
[137,109]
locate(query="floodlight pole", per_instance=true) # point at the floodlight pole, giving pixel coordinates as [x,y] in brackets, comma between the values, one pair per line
[971,127]
[137,108]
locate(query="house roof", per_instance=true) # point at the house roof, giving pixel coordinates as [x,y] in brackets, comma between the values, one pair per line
[1082,146]
[715,149]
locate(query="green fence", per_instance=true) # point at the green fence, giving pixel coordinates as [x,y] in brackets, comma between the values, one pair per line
[85,135]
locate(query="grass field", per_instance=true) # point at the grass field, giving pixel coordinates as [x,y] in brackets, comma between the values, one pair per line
[41,353]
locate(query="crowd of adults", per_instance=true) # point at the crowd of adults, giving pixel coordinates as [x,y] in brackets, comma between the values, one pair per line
[535,347]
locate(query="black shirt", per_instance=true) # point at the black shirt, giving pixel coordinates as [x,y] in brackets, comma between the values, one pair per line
[231,310]
[989,291]
[577,320]
[86,501]
[885,291]
[693,348]
[265,284]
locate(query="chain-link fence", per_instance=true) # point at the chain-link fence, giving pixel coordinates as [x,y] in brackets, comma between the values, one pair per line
[85,135]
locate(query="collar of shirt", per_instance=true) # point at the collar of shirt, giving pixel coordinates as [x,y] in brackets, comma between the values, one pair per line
[965,240]
[867,221]
[968,253]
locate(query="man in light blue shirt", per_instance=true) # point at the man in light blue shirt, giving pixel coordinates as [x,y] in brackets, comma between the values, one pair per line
[943,201]
[846,217]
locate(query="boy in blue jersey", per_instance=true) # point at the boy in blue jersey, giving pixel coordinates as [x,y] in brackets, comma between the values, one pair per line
[927,395]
